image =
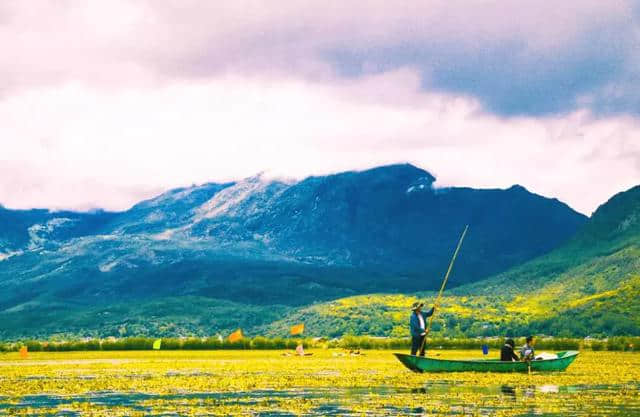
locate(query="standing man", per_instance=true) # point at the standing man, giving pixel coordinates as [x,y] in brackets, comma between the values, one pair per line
[417,324]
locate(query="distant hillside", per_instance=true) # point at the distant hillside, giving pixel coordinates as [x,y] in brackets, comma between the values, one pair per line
[260,242]
[23,230]
[589,283]
[589,286]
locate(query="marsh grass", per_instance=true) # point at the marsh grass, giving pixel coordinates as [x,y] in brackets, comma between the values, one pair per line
[619,343]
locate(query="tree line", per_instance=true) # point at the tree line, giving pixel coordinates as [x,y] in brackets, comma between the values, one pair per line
[619,343]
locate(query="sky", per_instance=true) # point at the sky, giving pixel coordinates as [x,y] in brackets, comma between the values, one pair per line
[103,104]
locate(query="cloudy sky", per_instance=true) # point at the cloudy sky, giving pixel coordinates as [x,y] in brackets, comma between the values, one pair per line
[104,103]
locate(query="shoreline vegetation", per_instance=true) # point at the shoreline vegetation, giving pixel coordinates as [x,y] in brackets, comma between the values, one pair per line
[618,343]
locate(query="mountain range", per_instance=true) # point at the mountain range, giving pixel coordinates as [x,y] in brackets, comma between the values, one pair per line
[260,253]
[588,286]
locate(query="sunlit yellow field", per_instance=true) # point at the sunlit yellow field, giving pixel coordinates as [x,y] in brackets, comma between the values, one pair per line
[331,382]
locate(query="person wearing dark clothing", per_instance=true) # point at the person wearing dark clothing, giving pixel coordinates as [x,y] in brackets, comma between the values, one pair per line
[506,353]
[417,325]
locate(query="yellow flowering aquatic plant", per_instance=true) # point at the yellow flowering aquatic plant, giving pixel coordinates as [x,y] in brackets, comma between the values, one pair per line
[252,382]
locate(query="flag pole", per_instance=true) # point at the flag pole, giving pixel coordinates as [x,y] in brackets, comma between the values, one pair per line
[444,283]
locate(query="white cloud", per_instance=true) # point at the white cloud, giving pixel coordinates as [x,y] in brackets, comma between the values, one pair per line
[105,103]
[132,42]
[76,146]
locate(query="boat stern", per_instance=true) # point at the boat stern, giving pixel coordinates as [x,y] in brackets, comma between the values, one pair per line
[409,361]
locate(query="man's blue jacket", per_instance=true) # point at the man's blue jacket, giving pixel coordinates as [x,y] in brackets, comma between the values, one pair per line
[414,322]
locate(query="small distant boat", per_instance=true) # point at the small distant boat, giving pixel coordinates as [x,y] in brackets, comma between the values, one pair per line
[424,364]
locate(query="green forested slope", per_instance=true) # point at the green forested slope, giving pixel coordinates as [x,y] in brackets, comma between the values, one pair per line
[589,286]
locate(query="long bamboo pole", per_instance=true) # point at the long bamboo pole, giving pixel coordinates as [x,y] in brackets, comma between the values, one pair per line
[444,283]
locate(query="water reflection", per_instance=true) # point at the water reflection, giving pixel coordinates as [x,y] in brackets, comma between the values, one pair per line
[548,399]
[508,391]
[549,389]
[428,399]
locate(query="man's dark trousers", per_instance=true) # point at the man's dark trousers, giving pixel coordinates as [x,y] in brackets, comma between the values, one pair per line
[416,343]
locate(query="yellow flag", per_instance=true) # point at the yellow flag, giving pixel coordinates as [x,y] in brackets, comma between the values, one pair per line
[297,329]
[156,344]
[24,352]
[235,336]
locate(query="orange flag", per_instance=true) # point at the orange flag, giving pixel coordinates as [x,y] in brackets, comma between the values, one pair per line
[235,336]
[297,329]
[24,352]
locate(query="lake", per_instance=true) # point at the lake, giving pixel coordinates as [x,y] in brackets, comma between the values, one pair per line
[331,382]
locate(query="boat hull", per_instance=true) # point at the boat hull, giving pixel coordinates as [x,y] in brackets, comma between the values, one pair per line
[424,364]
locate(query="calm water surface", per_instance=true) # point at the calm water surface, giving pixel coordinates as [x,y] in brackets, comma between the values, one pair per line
[426,400]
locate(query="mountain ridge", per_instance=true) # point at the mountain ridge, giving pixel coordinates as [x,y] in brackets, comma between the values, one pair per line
[586,287]
[273,243]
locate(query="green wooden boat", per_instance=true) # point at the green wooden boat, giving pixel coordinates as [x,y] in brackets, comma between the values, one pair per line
[424,364]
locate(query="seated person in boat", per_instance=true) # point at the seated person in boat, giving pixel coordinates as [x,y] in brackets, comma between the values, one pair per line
[507,353]
[417,325]
[527,352]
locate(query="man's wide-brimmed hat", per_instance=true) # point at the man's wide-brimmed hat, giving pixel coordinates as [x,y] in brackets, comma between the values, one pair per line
[416,305]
